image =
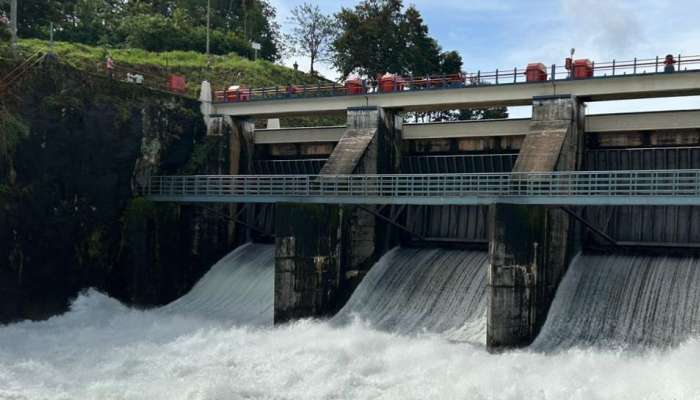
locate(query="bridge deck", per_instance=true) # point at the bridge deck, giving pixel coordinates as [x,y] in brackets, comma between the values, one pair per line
[661,187]
[617,87]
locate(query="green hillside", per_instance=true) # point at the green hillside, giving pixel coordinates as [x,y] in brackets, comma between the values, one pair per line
[222,71]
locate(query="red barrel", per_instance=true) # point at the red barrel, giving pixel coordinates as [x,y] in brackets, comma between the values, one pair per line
[177,83]
[536,72]
[237,94]
[583,69]
[391,83]
[354,86]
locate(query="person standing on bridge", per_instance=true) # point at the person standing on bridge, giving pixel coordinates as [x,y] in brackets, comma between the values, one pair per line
[669,64]
[110,67]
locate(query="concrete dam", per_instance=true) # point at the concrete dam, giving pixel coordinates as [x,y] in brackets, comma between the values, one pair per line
[469,226]
[380,258]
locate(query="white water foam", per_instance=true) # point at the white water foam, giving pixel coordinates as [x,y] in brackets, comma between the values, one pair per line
[624,301]
[103,350]
[424,290]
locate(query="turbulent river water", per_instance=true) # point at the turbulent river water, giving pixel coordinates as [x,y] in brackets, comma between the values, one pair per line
[195,348]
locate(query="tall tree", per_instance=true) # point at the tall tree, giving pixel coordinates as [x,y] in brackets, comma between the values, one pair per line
[450,63]
[369,40]
[312,33]
[421,55]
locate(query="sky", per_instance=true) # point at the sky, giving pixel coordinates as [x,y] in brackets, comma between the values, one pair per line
[512,33]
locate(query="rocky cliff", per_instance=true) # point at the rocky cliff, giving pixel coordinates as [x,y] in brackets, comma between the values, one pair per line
[73,148]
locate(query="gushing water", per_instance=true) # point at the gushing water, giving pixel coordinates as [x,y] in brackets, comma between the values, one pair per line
[240,288]
[624,301]
[424,290]
[192,349]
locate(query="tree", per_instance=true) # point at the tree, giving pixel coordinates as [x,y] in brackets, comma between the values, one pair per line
[155,24]
[311,34]
[378,36]
[369,40]
[450,63]
[422,54]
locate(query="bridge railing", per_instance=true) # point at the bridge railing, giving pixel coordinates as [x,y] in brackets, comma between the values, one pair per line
[461,80]
[502,185]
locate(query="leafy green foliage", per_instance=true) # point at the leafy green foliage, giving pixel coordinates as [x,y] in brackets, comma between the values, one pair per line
[379,36]
[451,63]
[155,25]
[12,131]
[158,33]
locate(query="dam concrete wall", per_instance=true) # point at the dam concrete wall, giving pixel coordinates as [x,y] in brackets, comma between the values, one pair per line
[529,246]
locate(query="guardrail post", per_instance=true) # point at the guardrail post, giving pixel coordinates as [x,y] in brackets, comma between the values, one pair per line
[656,65]
[496,76]
[515,75]
[634,66]
[613,68]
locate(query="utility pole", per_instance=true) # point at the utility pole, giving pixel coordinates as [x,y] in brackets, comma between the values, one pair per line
[13,23]
[208,26]
[245,20]
[51,37]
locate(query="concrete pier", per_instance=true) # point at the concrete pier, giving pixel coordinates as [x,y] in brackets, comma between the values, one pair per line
[320,248]
[530,246]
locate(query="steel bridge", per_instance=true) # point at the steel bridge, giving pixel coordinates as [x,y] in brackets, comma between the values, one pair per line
[658,187]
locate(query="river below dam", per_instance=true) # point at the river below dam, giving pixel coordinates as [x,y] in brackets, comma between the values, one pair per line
[198,348]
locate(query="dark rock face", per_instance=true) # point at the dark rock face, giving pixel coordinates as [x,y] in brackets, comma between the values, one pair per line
[68,216]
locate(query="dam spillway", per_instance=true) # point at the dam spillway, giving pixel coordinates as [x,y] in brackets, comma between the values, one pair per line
[239,288]
[424,290]
[624,301]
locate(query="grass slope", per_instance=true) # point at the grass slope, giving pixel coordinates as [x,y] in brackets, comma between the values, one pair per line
[223,70]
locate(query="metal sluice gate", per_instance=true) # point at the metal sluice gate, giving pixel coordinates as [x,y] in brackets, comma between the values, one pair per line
[658,187]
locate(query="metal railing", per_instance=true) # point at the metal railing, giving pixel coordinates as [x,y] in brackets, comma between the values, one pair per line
[20,70]
[505,76]
[575,187]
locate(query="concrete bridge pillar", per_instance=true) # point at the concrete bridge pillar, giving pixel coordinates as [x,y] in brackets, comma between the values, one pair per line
[333,244]
[530,246]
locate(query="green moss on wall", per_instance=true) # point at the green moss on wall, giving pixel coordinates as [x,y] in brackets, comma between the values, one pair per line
[201,154]
[12,131]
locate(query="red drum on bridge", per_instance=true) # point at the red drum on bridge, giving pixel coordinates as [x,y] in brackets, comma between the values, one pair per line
[536,72]
[583,69]
[391,83]
[237,93]
[354,86]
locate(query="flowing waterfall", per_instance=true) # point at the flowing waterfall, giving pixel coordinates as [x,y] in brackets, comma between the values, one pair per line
[624,301]
[239,288]
[424,290]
